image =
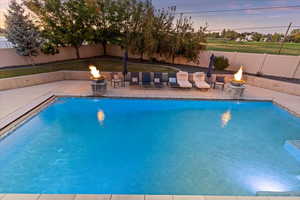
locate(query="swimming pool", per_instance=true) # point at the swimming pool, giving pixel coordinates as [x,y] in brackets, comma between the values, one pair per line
[138,146]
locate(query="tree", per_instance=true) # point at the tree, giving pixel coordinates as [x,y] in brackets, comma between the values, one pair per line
[2,31]
[230,34]
[105,22]
[140,43]
[63,23]
[194,44]
[276,37]
[129,15]
[295,35]
[160,28]
[21,32]
[256,36]
[184,41]
[178,36]
[213,35]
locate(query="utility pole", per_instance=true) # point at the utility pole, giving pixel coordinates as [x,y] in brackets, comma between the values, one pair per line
[286,34]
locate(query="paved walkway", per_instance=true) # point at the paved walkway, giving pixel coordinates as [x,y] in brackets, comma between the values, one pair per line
[12,101]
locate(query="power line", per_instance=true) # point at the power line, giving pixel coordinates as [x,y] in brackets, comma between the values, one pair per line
[241,9]
[259,27]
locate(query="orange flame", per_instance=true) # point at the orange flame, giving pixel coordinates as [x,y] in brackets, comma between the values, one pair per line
[94,72]
[239,75]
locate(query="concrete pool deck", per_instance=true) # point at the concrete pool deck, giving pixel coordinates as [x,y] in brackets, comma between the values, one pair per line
[16,102]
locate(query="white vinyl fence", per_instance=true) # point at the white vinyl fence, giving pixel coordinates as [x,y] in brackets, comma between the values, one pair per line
[274,65]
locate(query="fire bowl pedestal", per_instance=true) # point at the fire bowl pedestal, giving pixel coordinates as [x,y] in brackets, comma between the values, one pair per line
[99,87]
[236,89]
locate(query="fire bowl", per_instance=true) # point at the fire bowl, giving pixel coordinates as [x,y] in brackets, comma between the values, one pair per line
[237,83]
[99,86]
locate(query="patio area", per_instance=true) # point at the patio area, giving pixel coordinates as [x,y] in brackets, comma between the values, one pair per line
[16,102]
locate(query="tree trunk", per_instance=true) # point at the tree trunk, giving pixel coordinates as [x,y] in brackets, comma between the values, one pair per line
[173,59]
[142,56]
[31,60]
[125,62]
[77,52]
[104,45]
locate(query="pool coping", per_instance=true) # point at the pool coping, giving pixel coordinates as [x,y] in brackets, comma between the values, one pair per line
[136,197]
[22,115]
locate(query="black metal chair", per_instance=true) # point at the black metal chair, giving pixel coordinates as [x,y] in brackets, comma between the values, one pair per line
[146,79]
[220,81]
[116,80]
[134,78]
[158,80]
[172,80]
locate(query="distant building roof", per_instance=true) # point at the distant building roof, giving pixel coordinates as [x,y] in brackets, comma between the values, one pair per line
[4,43]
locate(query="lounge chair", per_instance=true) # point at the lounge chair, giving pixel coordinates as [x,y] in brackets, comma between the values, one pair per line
[199,80]
[183,80]
[146,79]
[172,80]
[134,78]
[157,80]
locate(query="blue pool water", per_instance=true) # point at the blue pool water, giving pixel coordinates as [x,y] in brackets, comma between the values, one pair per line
[132,146]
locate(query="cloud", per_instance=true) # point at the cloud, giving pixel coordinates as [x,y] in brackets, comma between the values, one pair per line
[274,16]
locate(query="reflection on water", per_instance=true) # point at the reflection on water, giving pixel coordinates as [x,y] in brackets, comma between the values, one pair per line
[266,183]
[225,118]
[101,116]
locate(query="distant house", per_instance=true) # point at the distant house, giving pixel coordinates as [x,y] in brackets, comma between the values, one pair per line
[264,39]
[4,43]
[249,37]
[238,40]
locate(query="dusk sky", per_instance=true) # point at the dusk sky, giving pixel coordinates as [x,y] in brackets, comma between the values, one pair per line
[241,19]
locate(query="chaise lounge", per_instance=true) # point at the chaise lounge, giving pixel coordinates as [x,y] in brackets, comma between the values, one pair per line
[199,80]
[183,80]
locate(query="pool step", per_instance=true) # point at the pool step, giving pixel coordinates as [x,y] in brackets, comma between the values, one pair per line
[293,147]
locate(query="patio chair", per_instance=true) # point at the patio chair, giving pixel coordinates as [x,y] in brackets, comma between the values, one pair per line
[172,80]
[116,80]
[199,80]
[157,80]
[219,81]
[183,80]
[146,79]
[134,78]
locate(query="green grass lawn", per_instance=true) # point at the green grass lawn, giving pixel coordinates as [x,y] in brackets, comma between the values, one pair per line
[103,64]
[254,47]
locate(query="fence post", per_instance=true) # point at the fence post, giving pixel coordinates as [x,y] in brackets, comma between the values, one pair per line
[262,64]
[297,68]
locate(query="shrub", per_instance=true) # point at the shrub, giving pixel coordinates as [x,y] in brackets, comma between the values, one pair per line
[221,63]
